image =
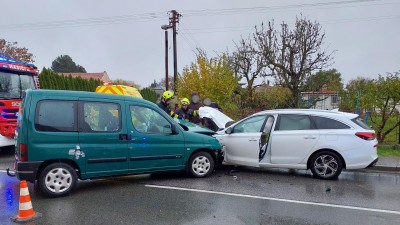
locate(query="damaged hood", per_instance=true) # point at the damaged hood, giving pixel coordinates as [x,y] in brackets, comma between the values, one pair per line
[219,118]
[192,127]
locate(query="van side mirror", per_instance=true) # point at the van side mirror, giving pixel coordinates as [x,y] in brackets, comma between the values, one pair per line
[174,130]
[228,131]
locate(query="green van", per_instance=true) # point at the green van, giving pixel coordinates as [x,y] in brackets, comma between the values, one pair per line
[63,136]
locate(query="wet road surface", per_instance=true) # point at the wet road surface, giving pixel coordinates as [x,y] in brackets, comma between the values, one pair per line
[231,196]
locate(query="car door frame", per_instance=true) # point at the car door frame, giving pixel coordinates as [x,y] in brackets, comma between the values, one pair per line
[232,141]
[281,149]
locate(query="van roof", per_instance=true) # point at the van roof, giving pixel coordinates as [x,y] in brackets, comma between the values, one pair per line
[85,94]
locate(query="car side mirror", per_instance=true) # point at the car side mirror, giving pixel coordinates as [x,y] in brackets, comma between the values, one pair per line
[228,131]
[174,129]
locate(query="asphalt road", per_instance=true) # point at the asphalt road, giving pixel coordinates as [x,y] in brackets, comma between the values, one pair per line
[231,196]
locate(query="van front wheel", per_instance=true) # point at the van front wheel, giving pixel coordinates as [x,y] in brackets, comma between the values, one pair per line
[201,164]
[57,179]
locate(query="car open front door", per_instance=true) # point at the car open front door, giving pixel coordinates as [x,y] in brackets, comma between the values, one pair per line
[242,142]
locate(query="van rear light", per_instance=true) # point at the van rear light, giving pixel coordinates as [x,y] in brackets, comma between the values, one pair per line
[23,152]
[366,135]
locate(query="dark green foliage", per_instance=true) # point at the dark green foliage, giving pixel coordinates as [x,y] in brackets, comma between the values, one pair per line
[149,94]
[51,80]
[331,78]
[65,64]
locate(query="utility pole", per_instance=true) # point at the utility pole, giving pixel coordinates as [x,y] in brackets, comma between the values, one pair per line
[173,20]
[166,60]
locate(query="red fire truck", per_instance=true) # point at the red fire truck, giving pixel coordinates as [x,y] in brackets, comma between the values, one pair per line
[15,77]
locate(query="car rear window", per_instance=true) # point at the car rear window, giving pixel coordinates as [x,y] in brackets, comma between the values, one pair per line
[360,122]
[327,123]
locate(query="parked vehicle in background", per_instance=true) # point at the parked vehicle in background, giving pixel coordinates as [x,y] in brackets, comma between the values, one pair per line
[324,141]
[63,136]
[15,77]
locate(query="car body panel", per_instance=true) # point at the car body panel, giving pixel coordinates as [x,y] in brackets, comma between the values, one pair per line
[294,148]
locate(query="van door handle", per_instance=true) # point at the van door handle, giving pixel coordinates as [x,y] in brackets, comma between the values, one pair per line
[252,139]
[123,137]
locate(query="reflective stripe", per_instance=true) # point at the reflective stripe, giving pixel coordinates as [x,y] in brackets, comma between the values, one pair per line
[24,198]
[111,90]
[24,191]
[25,205]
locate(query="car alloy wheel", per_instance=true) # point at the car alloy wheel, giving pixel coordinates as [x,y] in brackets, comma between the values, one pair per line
[326,165]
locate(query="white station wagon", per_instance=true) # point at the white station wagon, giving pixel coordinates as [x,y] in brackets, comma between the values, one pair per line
[324,141]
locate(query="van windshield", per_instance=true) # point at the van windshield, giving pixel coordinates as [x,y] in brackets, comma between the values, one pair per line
[12,85]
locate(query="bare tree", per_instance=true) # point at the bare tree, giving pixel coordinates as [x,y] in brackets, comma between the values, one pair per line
[248,64]
[292,55]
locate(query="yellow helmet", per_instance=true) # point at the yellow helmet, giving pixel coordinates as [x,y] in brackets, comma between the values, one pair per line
[185,101]
[168,95]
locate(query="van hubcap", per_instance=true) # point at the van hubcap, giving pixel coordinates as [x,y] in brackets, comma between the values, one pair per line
[58,180]
[326,165]
[201,165]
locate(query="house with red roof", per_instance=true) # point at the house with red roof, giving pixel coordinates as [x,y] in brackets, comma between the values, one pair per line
[103,76]
[323,99]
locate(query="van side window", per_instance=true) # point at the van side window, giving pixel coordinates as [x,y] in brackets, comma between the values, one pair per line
[100,117]
[56,116]
[146,120]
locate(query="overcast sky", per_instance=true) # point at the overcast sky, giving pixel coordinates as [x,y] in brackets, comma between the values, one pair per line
[124,37]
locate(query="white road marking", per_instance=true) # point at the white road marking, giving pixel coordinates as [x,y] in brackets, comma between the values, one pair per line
[277,199]
[3,171]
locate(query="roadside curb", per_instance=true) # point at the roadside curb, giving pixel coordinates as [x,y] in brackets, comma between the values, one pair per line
[381,169]
[385,168]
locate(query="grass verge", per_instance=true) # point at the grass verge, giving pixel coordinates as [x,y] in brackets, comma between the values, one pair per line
[388,151]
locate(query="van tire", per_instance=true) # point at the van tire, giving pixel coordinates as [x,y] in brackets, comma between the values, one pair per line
[57,179]
[201,164]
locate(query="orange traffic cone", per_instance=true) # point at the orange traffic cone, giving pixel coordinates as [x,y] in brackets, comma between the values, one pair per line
[26,212]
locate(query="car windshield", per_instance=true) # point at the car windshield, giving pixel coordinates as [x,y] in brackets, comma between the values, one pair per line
[12,85]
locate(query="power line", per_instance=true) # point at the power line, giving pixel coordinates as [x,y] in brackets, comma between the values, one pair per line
[190,36]
[85,22]
[243,28]
[218,12]
[155,16]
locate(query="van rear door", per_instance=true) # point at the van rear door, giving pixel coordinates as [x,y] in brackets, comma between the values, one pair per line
[53,134]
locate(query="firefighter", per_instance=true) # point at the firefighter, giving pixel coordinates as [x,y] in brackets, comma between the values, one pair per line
[208,122]
[184,112]
[165,101]
[195,104]
[209,103]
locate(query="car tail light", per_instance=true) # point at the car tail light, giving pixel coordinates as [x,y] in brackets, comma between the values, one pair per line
[23,152]
[366,135]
